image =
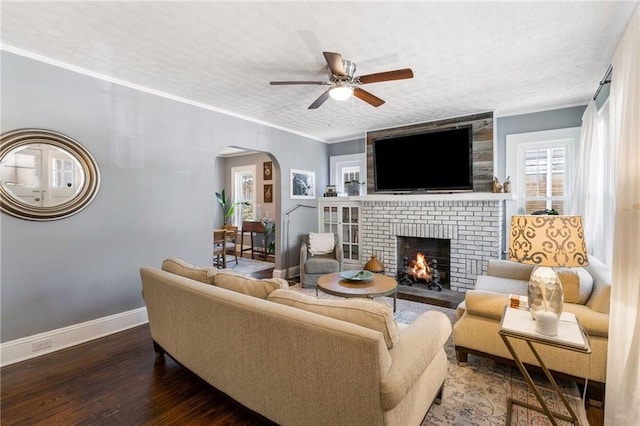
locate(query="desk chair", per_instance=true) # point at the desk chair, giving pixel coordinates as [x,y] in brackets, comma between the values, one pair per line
[231,241]
[219,248]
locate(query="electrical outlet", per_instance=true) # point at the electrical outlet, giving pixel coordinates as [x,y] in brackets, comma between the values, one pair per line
[41,344]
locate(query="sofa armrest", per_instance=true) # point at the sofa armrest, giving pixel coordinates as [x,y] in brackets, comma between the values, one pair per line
[508,269]
[485,303]
[411,355]
[339,253]
[304,254]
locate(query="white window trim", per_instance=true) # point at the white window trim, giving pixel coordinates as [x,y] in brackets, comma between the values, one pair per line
[338,161]
[517,144]
[248,168]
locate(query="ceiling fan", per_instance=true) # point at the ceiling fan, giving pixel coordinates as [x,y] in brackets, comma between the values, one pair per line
[344,83]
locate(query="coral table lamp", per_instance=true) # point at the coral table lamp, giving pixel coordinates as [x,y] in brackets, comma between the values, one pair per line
[547,242]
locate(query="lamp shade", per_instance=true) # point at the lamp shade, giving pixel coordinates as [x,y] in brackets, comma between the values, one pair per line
[548,241]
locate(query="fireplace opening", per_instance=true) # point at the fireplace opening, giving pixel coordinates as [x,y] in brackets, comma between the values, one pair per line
[424,262]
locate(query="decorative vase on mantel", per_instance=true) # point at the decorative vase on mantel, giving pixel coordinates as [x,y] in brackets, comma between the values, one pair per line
[374,265]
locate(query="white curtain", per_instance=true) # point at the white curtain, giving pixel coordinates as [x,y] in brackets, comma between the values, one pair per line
[594,183]
[622,405]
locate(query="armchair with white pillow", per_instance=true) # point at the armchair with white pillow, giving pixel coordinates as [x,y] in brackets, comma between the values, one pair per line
[320,254]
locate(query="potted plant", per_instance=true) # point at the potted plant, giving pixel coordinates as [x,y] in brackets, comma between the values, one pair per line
[227,207]
[352,187]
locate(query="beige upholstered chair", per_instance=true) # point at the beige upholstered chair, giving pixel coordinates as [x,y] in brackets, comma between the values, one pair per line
[231,241]
[314,265]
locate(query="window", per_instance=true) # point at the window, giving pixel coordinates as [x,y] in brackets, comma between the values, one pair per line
[62,173]
[541,167]
[244,189]
[544,179]
[345,168]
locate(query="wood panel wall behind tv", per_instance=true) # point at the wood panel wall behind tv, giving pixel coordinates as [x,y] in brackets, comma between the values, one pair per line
[482,141]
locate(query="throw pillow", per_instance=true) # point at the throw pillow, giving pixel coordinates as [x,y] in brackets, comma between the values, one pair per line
[364,312]
[252,286]
[321,243]
[178,266]
[577,284]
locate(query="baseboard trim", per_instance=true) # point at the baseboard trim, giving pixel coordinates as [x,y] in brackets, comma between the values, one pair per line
[293,271]
[29,347]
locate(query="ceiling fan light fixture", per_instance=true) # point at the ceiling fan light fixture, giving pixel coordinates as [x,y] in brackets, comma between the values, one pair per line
[341,93]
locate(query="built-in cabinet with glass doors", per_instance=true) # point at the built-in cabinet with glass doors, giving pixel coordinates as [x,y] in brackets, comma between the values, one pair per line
[343,219]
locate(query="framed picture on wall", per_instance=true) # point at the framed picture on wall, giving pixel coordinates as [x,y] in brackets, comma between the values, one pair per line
[303,184]
[268,193]
[267,168]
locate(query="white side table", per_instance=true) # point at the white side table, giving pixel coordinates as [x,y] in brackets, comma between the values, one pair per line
[518,324]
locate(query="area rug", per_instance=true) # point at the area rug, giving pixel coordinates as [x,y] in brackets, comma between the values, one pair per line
[248,266]
[477,393]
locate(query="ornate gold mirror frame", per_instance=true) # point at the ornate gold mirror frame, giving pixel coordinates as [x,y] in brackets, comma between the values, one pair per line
[45,175]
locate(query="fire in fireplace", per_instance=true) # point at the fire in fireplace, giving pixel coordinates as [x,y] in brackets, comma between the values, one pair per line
[423,262]
[417,270]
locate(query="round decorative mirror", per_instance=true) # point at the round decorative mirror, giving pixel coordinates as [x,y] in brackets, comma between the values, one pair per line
[45,175]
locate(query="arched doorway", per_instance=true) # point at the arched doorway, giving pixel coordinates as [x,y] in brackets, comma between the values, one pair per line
[251,181]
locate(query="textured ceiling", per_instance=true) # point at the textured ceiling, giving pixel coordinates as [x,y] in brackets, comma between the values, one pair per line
[467,57]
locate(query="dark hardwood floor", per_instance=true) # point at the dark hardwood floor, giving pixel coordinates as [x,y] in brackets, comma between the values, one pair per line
[118,380]
[113,380]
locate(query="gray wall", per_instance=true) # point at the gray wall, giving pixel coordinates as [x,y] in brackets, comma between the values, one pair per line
[356,146]
[159,166]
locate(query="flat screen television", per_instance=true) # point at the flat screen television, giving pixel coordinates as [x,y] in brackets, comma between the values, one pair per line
[434,161]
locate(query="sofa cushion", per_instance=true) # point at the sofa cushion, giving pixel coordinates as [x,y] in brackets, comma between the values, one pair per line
[177,266]
[501,285]
[252,286]
[364,312]
[321,243]
[322,264]
[577,284]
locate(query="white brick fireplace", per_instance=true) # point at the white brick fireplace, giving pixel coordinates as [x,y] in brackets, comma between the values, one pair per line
[473,222]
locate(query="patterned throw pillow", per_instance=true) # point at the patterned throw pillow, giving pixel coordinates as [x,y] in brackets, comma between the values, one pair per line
[364,312]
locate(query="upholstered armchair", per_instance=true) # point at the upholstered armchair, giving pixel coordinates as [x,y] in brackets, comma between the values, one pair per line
[318,257]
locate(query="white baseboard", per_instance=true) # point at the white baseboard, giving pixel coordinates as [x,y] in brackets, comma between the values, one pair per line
[54,340]
[294,271]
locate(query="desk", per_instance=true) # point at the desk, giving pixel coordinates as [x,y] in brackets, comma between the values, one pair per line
[518,324]
[253,227]
[379,285]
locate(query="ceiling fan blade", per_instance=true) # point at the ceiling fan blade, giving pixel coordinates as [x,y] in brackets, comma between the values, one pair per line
[320,100]
[367,97]
[386,76]
[283,83]
[334,60]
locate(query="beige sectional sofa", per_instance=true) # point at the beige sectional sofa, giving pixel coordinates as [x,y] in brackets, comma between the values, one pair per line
[293,358]
[479,315]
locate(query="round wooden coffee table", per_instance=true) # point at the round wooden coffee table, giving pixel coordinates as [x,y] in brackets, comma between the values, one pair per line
[380,285]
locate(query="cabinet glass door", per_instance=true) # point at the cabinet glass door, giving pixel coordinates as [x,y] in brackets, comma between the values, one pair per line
[330,219]
[350,233]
